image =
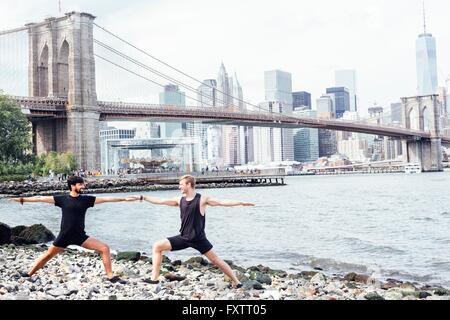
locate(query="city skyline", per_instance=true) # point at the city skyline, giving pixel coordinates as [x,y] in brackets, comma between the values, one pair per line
[273,37]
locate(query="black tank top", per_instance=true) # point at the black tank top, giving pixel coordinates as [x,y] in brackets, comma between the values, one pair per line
[192,221]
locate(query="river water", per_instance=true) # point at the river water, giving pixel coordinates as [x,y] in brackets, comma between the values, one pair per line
[392,225]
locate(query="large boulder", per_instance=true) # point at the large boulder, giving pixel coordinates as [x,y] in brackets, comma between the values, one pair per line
[5,234]
[35,234]
[19,241]
[15,231]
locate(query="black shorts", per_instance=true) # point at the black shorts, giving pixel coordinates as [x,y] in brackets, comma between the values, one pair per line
[64,240]
[179,243]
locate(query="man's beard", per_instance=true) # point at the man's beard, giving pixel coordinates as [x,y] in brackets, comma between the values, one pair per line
[79,191]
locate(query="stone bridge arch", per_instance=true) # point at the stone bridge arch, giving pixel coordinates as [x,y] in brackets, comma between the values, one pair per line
[422,113]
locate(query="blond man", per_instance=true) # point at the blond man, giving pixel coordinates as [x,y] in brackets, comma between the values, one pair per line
[192,232]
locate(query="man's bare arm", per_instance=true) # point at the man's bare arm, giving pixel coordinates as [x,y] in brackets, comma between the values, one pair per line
[112,199]
[47,199]
[174,202]
[226,203]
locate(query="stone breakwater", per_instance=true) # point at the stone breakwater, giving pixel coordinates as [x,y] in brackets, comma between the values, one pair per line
[75,275]
[32,188]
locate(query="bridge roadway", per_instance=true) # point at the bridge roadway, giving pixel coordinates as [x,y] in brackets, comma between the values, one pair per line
[38,107]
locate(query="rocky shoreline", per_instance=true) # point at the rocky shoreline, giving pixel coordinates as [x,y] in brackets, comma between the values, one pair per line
[33,188]
[79,275]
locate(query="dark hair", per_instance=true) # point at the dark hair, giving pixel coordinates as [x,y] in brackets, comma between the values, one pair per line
[73,180]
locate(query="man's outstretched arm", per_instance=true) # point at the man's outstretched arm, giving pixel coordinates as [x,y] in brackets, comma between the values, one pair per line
[112,199]
[226,203]
[46,199]
[174,202]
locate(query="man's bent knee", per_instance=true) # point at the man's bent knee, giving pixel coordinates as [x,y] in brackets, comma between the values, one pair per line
[104,249]
[161,246]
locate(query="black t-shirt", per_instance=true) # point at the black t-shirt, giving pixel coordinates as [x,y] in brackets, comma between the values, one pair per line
[73,212]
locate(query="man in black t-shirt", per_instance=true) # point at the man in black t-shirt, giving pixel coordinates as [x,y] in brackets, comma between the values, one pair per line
[74,206]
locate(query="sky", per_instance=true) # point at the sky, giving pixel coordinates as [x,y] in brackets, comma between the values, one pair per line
[309,39]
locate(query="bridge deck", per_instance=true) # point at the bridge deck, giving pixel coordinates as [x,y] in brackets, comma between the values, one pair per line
[38,107]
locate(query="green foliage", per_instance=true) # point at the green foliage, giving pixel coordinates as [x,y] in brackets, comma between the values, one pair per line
[15,132]
[16,160]
[17,168]
[55,162]
[14,177]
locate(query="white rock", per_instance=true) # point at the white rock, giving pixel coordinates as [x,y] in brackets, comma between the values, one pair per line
[58,292]
[274,294]
[318,280]
[393,294]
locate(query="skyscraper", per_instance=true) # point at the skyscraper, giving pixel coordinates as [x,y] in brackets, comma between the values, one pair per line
[327,138]
[273,144]
[325,106]
[207,98]
[278,93]
[278,86]
[342,100]
[347,79]
[229,95]
[396,112]
[301,99]
[306,140]
[173,96]
[426,62]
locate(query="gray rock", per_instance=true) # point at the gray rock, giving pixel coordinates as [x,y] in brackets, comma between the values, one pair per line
[442,292]
[393,294]
[264,278]
[174,277]
[58,292]
[318,280]
[176,263]
[128,256]
[252,284]
[5,234]
[357,277]
[37,233]
[373,296]
[424,295]
[15,231]
[197,261]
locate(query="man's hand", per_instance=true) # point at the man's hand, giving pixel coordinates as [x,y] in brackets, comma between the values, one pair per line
[247,204]
[132,198]
[20,200]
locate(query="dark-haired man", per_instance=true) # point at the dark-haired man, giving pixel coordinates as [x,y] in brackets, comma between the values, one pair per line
[74,206]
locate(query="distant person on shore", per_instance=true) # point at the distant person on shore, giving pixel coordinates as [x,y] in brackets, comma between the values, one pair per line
[192,232]
[74,206]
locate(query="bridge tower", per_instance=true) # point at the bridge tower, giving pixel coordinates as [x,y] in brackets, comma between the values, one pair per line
[422,113]
[62,65]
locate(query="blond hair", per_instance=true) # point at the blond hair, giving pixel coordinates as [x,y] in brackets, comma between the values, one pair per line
[189,179]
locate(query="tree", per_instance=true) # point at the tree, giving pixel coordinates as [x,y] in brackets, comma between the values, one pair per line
[15,133]
[56,162]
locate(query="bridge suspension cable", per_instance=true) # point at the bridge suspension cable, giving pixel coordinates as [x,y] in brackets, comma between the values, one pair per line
[5,32]
[160,74]
[14,61]
[139,75]
[142,65]
[178,70]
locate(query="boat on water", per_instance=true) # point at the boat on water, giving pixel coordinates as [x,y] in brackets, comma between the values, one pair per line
[413,168]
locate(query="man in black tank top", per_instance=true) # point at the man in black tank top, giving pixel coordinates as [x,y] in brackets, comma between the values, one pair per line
[74,206]
[192,232]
